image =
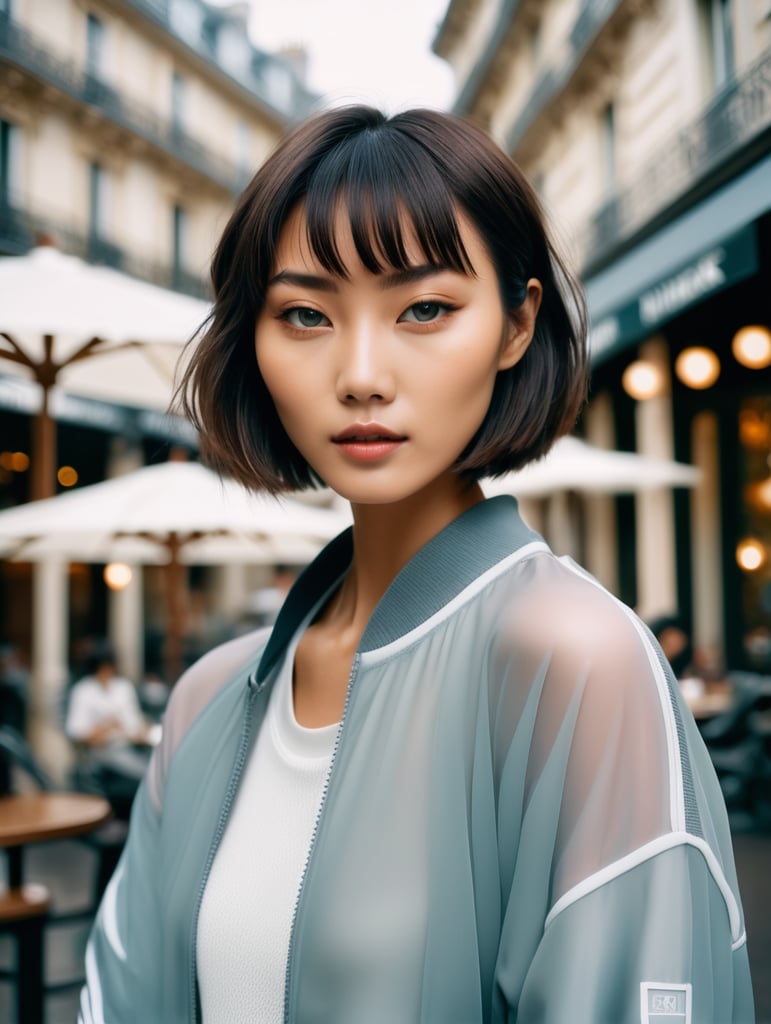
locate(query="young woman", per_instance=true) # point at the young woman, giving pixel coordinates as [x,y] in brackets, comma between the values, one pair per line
[455,782]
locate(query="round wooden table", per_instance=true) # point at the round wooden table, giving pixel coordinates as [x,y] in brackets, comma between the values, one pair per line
[37,818]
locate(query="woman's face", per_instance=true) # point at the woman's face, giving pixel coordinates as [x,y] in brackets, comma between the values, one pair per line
[381,380]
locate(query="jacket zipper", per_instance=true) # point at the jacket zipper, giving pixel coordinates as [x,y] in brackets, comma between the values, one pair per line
[314,834]
[235,778]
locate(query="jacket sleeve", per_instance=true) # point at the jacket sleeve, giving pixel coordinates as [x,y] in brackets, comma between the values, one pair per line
[123,956]
[621,903]
[653,943]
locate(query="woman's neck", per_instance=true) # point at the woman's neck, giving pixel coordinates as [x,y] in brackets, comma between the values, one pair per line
[385,538]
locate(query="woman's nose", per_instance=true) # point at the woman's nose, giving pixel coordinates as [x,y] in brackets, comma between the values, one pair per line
[364,372]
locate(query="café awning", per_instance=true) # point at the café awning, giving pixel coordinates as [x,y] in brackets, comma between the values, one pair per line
[708,248]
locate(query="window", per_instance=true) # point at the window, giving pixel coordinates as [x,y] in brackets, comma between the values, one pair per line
[9,161]
[179,239]
[279,83]
[94,46]
[177,101]
[98,201]
[717,30]
[752,545]
[243,146]
[609,146]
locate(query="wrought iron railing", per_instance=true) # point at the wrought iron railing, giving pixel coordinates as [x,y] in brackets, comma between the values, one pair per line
[21,48]
[20,229]
[738,116]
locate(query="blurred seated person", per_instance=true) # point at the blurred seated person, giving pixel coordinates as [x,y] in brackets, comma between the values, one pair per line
[103,706]
[105,721]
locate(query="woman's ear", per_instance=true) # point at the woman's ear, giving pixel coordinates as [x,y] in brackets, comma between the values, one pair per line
[520,330]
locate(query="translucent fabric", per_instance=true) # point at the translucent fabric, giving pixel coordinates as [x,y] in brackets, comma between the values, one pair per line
[520,822]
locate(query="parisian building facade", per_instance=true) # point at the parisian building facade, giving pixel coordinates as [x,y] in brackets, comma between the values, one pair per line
[127,129]
[645,127]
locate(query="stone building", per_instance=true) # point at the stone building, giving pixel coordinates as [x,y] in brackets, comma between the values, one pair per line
[127,129]
[644,125]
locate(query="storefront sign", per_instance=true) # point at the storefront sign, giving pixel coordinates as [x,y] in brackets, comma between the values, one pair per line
[734,259]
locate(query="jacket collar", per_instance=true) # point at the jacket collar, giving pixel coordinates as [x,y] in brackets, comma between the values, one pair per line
[474,542]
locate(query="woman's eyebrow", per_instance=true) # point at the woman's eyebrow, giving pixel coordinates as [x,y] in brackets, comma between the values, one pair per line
[301,280]
[394,279]
[410,275]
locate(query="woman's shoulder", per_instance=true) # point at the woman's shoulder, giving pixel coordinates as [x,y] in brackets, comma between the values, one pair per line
[195,690]
[206,677]
[552,601]
[554,612]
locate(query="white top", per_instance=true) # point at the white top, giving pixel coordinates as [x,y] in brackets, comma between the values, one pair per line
[92,704]
[248,904]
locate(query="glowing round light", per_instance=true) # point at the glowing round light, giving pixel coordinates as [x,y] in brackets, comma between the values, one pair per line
[67,476]
[19,462]
[642,380]
[117,576]
[752,347]
[697,367]
[764,493]
[750,554]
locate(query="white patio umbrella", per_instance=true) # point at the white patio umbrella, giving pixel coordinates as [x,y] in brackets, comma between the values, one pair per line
[575,465]
[58,314]
[172,514]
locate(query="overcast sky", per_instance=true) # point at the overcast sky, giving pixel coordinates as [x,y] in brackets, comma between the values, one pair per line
[375,51]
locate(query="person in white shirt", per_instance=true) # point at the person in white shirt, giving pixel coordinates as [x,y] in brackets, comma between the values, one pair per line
[105,720]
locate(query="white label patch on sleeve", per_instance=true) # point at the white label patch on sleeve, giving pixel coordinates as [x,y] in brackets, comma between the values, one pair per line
[662,1003]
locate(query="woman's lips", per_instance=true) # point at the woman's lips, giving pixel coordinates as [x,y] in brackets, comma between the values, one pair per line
[368,442]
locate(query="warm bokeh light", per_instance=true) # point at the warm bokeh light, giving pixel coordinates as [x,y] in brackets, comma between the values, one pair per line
[751,347]
[642,380]
[750,554]
[67,476]
[754,430]
[117,576]
[697,367]
[17,462]
[764,493]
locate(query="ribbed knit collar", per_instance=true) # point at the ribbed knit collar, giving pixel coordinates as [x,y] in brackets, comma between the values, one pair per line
[474,542]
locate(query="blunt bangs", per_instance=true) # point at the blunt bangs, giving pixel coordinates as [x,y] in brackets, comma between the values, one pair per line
[387,184]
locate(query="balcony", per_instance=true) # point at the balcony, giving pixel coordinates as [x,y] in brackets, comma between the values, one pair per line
[595,14]
[20,49]
[20,228]
[730,131]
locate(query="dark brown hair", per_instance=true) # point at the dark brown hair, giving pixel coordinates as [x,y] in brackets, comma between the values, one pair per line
[424,166]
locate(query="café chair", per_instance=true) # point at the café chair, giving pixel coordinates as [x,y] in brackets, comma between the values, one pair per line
[739,743]
[26,912]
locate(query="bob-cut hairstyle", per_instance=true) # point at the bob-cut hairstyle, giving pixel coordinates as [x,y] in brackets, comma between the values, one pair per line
[421,168]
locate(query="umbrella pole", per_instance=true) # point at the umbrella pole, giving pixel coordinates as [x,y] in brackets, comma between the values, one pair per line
[43,451]
[175,610]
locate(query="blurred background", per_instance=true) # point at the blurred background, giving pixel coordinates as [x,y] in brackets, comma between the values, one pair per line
[128,128]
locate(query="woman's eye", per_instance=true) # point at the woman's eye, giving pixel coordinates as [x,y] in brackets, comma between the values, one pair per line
[424,312]
[304,317]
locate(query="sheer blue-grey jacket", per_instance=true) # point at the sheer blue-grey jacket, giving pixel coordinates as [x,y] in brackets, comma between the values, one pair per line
[520,822]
